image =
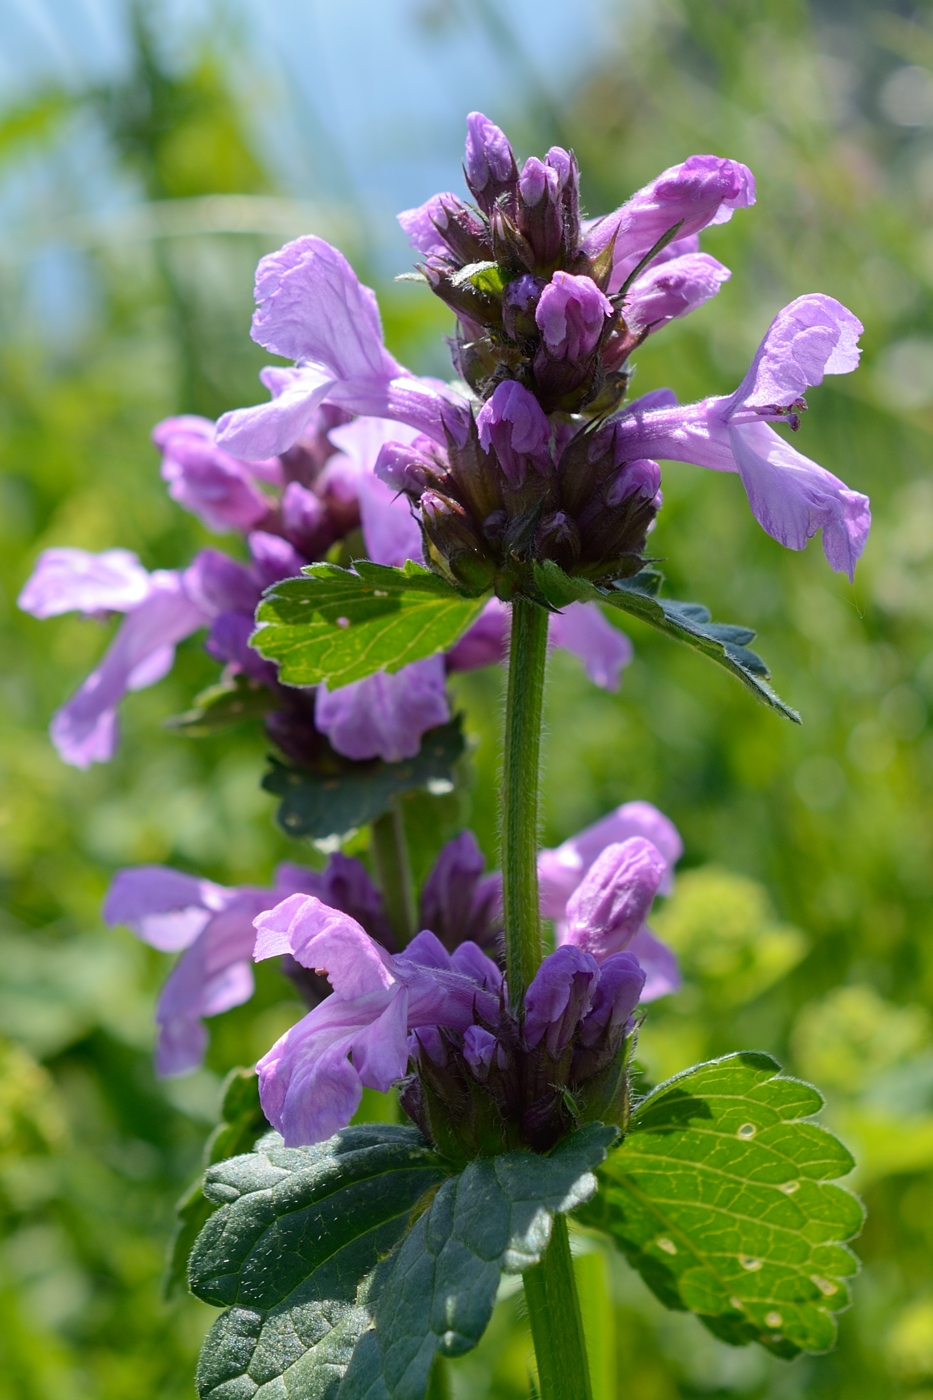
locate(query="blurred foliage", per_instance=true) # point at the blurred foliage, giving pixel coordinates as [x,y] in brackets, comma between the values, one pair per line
[803,917]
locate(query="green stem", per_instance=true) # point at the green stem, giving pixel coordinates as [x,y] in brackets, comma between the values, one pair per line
[390,854]
[550,1287]
[520,779]
[556,1322]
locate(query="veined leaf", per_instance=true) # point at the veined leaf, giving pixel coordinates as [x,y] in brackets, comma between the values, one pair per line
[347,1267]
[296,1232]
[435,1294]
[722,1198]
[340,795]
[689,623]
[341,625]
[242,1122]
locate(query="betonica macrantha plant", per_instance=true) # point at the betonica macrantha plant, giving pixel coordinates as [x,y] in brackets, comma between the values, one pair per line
[502,512]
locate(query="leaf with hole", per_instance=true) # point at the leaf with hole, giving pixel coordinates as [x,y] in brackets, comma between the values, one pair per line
[722,1197]
[690,623]
[342,625]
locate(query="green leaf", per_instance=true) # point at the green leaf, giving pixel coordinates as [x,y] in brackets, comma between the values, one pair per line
[295,1231]
[242,1122]
[341,625]
[689,623]
[231,701]
[340,795]
[722,1198]
[435,1294]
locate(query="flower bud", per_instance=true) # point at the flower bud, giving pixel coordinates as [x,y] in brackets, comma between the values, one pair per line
[560,995]
[489,164]
[611,904]
[445,226]
[456,543]
[513,425]
[519,301]
[558,538]
[409,467]
[306,521]
[540,215]
[571,315]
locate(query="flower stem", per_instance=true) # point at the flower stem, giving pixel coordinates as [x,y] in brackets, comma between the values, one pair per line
[390,854]
[550,1287]
[556,1322]
[520,780]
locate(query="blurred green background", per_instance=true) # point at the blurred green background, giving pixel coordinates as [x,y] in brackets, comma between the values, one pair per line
[803,914]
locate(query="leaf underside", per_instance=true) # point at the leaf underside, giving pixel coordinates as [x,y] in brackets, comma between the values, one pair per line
[342,625]
[722,1197]
[341,795]
[689,623]
[332,1292]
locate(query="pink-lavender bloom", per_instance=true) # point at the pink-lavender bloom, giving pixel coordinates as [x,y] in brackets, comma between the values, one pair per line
[703,190]
[644,872]
[85,730]
[668,290]
[212,926]
[513,424]
[313,309]
[570,314]
[312,1079]
[790,496]
[219,489]
[75,580]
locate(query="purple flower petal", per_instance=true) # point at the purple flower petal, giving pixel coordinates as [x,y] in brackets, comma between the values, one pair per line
[672,289]
[559,996]
[791,497]
[610,905]
[486,642]
[391,533]
[269,429]
[659,963]
[326,941]
[813,336]
[74,580]
[165,908]
[420,225]
[571,314]
[621,983]
[561,870]
[513,424]
[84,731]
[703,190]
[210,483]
[385,716]
[583,630]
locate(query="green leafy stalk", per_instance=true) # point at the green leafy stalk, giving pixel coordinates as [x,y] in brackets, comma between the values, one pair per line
[390,853]
[550,1288]
[556,1322]
[520,779]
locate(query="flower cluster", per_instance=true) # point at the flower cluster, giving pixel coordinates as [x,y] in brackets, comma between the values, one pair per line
[290,509]
[542,459]
[480,1075]
[460,904]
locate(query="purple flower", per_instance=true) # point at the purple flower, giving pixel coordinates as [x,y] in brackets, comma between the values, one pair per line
[667,290]
[561,871]
[84,731]
[611,903]
[560,996]
[217,488]
[312,1079]
[570,315]
[604,651]
[514,425]
[74,580]
[213,928]
[460,902]
[489,165]
[424,224]
[385,715]
[312,308]
[703,190]
[790,496]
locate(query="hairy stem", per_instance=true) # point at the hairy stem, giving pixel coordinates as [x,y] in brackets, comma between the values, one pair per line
[520,780]
[556,1322]
[390,854]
